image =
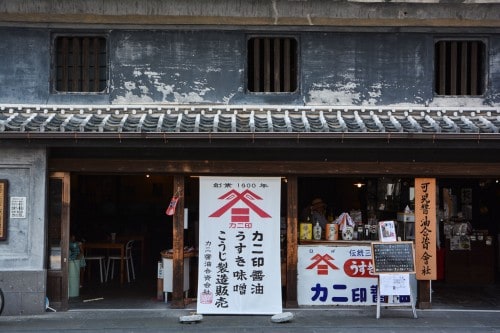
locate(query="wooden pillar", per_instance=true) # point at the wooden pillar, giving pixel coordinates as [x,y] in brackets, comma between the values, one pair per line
[178,246]
[424,294]
[291,236]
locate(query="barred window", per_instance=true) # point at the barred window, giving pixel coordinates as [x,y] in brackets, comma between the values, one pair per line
[80,64]
[460,67]
[272,64]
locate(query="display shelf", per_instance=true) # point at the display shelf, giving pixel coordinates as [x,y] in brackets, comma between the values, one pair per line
[474,266]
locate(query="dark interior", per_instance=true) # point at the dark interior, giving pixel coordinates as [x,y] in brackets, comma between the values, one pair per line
[135,204]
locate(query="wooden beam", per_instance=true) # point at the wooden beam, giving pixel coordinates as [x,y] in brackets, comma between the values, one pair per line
[277,65]
[287,65]
[475,69]
[282,168]
[256,64]
[441,90]
[453,67]
[75,65]
[96,49]
[85,64]
[63,54]
[291,240]
[267,64]
[178,246]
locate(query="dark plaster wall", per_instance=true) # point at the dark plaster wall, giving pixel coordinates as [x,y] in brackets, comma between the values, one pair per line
[493,92]
[208,67]
[367,68]
[176,67]
[24,65]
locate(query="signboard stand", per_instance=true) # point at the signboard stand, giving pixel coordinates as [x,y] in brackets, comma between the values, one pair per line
[412,297]
[394,262]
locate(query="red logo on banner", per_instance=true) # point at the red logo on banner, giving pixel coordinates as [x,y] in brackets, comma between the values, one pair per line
[322,263]
[240,215]
[362,268]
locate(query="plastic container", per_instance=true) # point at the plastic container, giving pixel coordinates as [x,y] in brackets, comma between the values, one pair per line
[74,278]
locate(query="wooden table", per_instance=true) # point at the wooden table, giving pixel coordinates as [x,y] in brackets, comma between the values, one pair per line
[108,245]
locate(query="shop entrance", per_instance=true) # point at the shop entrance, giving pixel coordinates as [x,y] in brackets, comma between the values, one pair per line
[468,218]
[133,207]
[129,208]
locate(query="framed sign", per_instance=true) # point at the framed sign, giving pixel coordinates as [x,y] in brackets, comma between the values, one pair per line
[4,185]
[393,257]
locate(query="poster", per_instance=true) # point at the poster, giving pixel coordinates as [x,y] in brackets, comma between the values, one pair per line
[387,231]
[336,275]
[394,284]
[239,246]
[17,207]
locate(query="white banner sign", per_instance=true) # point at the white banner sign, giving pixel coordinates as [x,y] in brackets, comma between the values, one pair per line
[239,246]
[336,275]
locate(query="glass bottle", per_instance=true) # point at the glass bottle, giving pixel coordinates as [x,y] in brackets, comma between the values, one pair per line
[330,216]
[317,231]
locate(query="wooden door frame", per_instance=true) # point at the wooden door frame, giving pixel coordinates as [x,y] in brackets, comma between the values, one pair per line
[65,225]
[178,301]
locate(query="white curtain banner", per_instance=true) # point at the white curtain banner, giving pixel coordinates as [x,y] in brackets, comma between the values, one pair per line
[239,269]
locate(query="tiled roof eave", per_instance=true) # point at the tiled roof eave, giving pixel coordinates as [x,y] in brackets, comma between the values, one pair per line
[235,122]
[208,136]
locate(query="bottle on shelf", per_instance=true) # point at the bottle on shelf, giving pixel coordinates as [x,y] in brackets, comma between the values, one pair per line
[317,231]
[330,216]
[306,229]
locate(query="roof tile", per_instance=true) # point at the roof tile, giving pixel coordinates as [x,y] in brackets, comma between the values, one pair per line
[237,119]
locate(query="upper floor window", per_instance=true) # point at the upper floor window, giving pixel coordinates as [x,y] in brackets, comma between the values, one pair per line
[272,64]
[460,67]
[80,64]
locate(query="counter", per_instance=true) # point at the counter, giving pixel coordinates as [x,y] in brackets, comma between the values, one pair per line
[168,270]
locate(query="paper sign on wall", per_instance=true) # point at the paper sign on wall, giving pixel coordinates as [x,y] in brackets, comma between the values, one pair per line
[394,284]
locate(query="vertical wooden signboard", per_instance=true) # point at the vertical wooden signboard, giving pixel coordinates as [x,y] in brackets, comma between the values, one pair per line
[425,228]
[3,209]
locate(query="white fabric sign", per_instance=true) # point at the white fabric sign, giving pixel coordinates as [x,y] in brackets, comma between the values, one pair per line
[336,275]
[239,247]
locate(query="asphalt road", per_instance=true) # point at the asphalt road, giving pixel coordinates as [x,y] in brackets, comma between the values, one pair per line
[304,320]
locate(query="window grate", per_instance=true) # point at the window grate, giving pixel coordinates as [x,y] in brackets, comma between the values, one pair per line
[80,64]
[459,67]
[272,64]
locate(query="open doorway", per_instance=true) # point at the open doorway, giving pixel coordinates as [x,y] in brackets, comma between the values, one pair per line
[127,208]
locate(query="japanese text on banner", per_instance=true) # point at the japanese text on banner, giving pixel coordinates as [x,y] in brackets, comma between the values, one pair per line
[239,264]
